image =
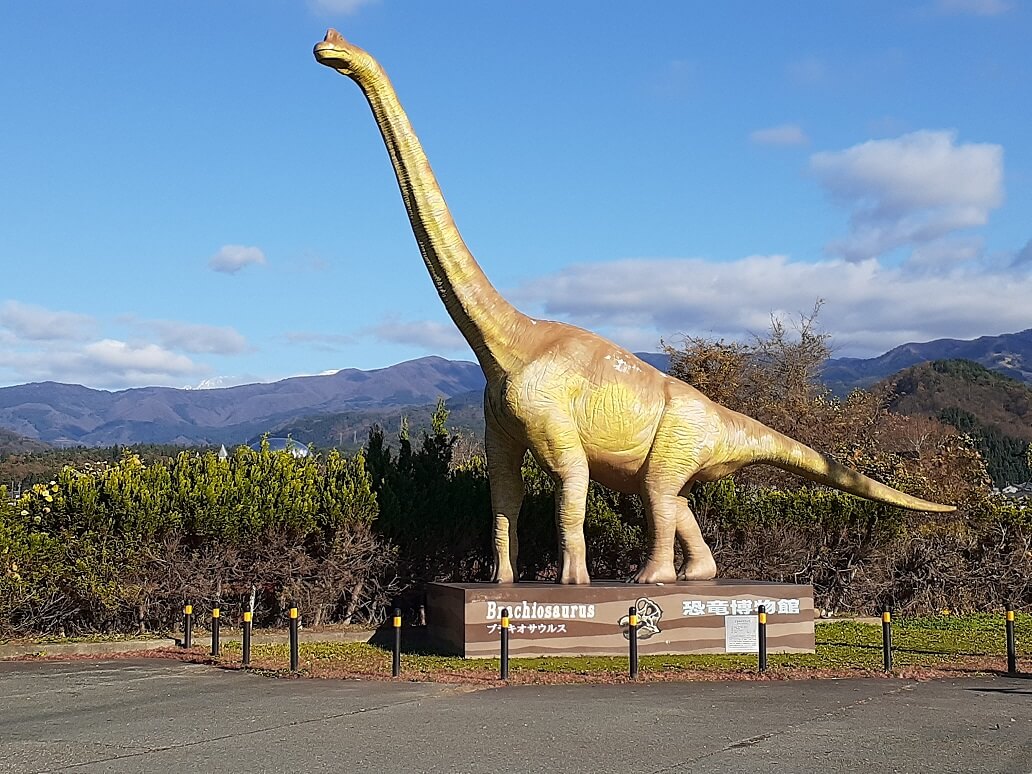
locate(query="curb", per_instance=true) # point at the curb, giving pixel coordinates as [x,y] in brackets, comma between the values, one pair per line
[82,648]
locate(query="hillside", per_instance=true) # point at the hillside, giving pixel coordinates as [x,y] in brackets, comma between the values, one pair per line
[13,443]
[994,409]
[1009,354]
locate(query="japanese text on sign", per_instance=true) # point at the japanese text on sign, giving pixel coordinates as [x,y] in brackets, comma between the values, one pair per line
[533,628]
[692,607]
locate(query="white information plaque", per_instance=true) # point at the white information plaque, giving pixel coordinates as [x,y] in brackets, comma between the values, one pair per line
[741,634]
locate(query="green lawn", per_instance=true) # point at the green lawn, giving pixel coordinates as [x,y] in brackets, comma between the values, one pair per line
[971,641]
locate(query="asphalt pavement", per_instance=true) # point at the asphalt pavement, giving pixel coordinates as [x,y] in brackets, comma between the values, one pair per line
[153,715]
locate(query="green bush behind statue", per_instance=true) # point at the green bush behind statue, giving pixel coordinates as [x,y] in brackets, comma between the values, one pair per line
[122,546]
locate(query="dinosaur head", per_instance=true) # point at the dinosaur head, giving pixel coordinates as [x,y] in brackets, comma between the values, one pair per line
[343,57]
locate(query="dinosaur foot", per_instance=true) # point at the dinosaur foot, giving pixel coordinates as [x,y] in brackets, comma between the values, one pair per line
[575,576]
[656,574]
[504,575]
[703,568]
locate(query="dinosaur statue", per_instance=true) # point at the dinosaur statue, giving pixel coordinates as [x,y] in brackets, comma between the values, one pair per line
[585,408]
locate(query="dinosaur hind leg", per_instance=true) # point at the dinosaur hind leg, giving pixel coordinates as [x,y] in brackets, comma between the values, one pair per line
[504,463]
[662,512]
[698,558]
[672,462]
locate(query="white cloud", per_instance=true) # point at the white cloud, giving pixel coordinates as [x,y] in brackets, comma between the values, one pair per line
[869,307]
[232,258]
[974,7]
[140,359]
[35,323]
[939,253]
[433,335]
[783,134]
[910,190]
[41,345]
[198,339]
[340,6]
[107,363]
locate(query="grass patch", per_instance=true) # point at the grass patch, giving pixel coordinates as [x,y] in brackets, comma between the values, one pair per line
[970,643]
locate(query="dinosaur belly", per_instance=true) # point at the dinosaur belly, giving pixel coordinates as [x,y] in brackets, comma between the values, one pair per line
[566,410]
[616,431]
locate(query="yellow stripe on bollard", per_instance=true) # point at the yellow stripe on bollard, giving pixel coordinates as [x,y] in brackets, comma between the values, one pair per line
[763,618]
[886,617]
[397,622]
[214,612]
[505,622]
[1010,615]
[633,620]
[293,612]
[187,609]
[247,617]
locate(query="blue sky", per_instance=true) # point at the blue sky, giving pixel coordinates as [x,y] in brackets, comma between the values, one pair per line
[187,198]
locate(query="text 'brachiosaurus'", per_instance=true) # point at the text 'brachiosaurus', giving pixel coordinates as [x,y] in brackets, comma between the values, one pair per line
[584,407]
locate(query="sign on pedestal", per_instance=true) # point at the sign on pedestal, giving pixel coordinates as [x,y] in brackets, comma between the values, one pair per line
[715,616]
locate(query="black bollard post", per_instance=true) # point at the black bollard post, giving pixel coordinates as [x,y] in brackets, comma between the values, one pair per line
[1012,651]
[245,657]
[187,626]
[293,638]
[761,625]
[886,627]
[396,662]
[632,640]
[215,630]
[503,670]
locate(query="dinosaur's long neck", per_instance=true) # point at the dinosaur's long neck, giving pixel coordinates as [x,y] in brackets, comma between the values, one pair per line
[491,325]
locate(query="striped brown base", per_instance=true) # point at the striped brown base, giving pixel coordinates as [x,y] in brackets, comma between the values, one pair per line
[715,616]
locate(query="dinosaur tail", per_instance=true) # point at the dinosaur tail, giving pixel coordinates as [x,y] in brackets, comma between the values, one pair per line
[767,446]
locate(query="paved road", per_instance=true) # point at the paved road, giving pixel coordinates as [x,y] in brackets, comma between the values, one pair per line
[123,716]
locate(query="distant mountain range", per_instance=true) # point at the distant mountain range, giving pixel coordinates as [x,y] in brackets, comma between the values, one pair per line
[71,415]
[338,409]
[1009,354]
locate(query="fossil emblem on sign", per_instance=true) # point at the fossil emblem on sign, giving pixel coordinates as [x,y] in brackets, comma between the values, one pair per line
[649,614]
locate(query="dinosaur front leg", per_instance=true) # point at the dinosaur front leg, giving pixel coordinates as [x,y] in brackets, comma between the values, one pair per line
[504,463]
[560,453]
[570,501]
[698,558]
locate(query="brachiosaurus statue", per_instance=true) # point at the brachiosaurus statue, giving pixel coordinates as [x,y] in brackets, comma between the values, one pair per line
[585,407]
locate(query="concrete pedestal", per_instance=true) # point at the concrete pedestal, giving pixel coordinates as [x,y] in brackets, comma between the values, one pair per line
[715,616]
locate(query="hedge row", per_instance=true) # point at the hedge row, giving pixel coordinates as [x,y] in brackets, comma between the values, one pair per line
[121,546]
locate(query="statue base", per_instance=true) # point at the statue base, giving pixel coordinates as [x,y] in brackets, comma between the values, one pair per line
[547,619]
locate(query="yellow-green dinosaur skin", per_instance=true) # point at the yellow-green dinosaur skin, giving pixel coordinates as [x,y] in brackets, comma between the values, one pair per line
[584,406]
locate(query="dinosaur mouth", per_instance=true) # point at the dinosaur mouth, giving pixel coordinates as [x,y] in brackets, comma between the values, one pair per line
[327,54]
[329,49]
[326,50]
